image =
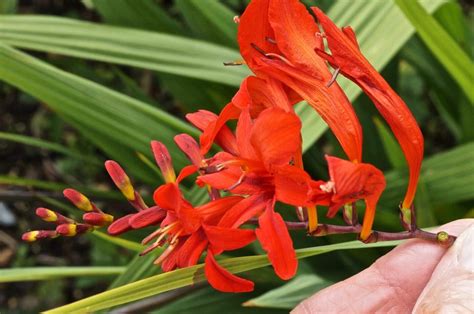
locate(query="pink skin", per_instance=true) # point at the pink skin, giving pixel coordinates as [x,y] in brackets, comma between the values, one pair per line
[392,284]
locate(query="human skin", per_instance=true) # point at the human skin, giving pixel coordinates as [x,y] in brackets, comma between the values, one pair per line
[391,285]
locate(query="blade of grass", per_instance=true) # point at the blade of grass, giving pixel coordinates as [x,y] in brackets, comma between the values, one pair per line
[49,273]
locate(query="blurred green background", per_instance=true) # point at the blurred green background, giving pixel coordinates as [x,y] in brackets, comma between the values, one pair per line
[86,81]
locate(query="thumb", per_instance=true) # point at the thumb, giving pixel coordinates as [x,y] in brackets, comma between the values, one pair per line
[451,287]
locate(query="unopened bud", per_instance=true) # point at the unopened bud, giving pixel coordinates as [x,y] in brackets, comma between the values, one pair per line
[32,236]
[70,230]
[52,216]
[163,159]
[97,219]
[78,199]
[120,178]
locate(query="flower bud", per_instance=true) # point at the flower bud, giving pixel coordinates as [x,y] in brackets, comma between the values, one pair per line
[78,199]
[97,219]
[163,159]
[52,216]
[32,236]
[70,230]
[120,178]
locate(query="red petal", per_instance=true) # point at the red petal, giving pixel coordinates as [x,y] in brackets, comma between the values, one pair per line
[353,182]
[220,279]
[147,217]
[189,218]
[244,210]
[120,225]
[207,137]
[296,35]
[192,249]
[336,111]
[224,138]
[276,241]
[276,136]
[227,239]
[242,132]
[292,185]
[186,172]
[168,196]
[255,29]
[190,147]
[345,54]
[215,209]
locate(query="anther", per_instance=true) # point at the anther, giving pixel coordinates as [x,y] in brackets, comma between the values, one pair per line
[270,40]
[333,78]
[328,187]
[236,19]
[254,46]
[234,63]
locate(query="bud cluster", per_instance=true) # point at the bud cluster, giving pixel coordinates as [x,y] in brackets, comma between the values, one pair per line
[93,218]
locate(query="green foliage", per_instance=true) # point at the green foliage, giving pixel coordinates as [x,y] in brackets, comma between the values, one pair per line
[48,273]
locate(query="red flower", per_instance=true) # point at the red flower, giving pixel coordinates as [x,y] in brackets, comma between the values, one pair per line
[346,56]
[262,169]
[277,39]
[188,231]
[352,181]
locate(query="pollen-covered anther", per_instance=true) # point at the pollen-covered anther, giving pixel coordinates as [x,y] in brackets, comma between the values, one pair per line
[78,199]
[236,19]
[97,219]
[328,187]
[120,178]
[71,230]
[35,235]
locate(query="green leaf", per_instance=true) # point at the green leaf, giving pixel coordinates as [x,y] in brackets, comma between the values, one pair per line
[8,6]
[31,141]
[118,124]
[442,45]
[209,20]
[143,14]
[48,273]
[187,276]
[291,293]
[127,244]
[149,50]
[390,144]
[381,32]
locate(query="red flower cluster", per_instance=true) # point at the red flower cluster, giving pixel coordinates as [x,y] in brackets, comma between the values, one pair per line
[261,160]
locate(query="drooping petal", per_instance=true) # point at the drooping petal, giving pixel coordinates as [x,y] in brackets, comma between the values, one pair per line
[335,111]
[224,138]
[353,182]
[227,239]
[148,217]
[276,136]
[292,185]
[120,225]
[346,56]
[192,249]
[222,280]
[276,241]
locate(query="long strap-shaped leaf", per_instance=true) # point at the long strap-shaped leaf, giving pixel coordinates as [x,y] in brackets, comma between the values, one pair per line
[161,52]
[448,52]
[47,273]
[187,276]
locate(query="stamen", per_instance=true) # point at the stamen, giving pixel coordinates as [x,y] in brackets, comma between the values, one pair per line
[328,187]
[270,55]
[236,184]
[236,19]
[254,46]
[234,63]
[333,78]
[270,40]
[319,34]
[163,231]
[165,254]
